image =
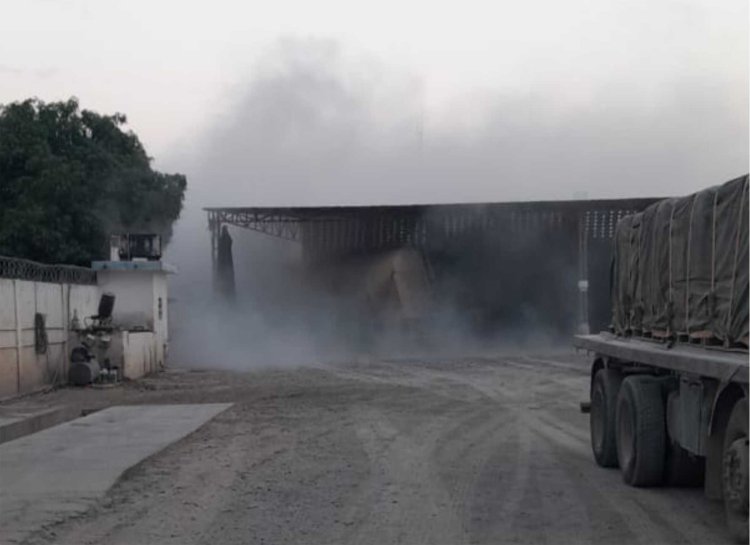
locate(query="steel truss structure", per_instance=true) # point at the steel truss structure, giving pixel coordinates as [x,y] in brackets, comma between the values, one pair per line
[346,229]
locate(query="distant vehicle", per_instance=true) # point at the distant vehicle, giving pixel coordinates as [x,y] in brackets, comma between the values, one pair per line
[669,382]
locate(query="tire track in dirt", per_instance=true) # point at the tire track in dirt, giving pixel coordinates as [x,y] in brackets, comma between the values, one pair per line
[478,451]
[463,454]
[404,501]
[501,488]
[641,508]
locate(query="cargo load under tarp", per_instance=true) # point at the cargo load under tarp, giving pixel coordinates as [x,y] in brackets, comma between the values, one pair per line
[681,267]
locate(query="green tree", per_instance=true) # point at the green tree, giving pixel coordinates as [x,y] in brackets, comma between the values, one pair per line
[69,178]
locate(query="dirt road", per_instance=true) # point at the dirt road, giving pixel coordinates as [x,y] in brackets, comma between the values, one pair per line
[473,451]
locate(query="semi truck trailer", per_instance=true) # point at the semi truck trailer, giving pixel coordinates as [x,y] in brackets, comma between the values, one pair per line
[669,380]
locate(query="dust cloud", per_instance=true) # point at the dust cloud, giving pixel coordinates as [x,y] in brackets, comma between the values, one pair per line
[319,125]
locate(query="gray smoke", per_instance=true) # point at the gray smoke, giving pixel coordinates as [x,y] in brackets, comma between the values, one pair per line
[316,126]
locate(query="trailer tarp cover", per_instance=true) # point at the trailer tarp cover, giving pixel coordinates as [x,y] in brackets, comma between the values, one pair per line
[681,267]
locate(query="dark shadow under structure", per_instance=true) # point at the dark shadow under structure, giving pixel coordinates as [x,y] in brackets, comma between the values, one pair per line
[224,266]
[517,264]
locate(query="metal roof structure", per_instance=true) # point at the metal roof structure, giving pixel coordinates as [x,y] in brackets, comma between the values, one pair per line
[598,216]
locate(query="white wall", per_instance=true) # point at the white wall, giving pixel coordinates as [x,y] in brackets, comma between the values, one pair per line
[161,319]
[134,297]
[139,351]
[22,369]
[137,295]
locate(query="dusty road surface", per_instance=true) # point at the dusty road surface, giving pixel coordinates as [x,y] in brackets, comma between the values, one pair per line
[483,450]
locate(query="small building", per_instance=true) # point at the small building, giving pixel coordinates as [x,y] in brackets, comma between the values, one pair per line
[139,342]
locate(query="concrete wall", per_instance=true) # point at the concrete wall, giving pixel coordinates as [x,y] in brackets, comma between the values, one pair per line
[136,353]
[140,304]
[22,368]
[160,318]
[139,346]
[139,354]
[134,292]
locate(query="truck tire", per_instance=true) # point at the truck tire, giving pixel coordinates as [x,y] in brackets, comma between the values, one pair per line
[602,416]
[735,472]
[641,431]
[682,468]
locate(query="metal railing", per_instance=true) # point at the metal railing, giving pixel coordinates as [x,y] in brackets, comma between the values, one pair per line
[24,269]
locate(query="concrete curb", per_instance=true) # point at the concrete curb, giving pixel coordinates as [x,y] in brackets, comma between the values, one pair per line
[26,425]
[62,471]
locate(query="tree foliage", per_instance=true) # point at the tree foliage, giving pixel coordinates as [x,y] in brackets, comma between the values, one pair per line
[69,178]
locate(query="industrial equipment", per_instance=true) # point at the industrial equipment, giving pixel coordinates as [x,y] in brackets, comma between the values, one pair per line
[88,361]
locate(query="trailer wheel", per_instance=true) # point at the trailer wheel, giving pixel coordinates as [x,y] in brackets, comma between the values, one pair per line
[735,472]
[641,433]
[602,416]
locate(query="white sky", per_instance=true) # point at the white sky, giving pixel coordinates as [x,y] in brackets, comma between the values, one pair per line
[172,67]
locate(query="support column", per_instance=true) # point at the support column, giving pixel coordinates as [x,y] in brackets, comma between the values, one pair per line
[225,265]
[583,278]
[19,342]
[214,226]
[65,311]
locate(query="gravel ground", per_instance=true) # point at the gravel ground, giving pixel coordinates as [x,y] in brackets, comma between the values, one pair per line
[485,450]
